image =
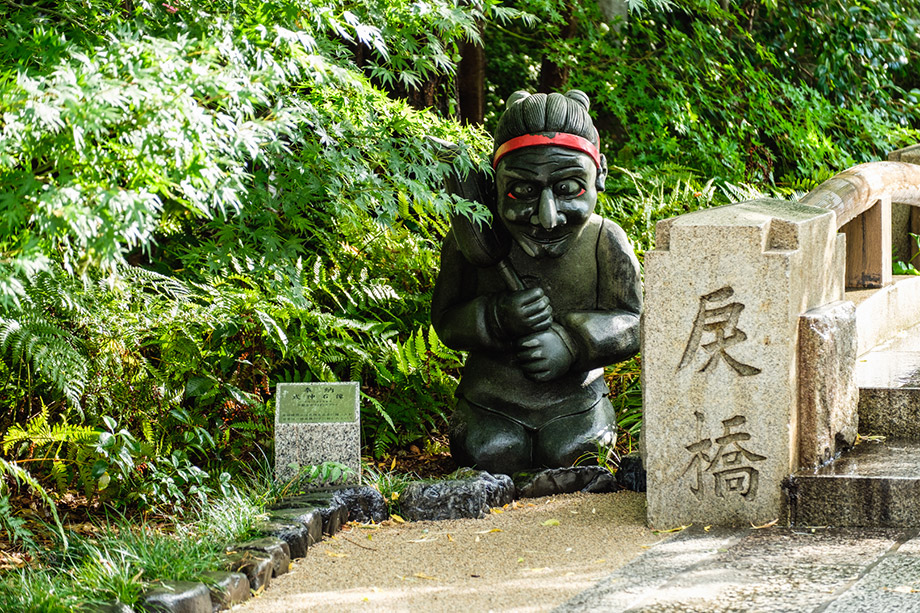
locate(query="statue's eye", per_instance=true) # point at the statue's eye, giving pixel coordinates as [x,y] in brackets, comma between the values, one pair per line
[568,188]
[522,191]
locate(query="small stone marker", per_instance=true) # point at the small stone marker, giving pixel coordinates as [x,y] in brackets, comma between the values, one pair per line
[316,423]
[725,289]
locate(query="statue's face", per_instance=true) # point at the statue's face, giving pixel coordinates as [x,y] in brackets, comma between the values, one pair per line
[545,197]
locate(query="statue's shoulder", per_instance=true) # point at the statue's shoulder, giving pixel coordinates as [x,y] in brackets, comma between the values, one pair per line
[610,231]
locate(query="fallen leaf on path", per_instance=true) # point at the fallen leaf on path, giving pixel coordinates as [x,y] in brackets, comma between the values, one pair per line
[677,529]
[424,576]
[497,511]
[450,538]
[336,554]
[489,531]
[769,524]
[397,518]
[550,522]
[707,528]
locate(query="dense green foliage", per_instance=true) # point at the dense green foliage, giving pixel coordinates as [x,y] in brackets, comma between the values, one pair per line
[760,92]
[201,203]
[201,200]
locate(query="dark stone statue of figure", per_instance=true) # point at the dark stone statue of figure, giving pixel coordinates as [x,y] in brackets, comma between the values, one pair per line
[542,300]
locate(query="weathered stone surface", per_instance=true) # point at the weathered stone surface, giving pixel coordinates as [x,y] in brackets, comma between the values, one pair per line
[227,589]
[365,504]
[471,495]
[874,484]
[890,586]
[889,388]
[828,396]
[295,534]
[593,479]
[631,474]
[305,444]
[275,547]
[177,597]
[309,517]
[334,512]
[724,291]
[776,569]
[257,567]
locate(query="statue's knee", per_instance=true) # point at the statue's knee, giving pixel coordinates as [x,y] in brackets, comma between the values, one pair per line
[574,438]
[489,442]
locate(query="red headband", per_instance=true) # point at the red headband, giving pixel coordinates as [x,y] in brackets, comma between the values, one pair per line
[556,139]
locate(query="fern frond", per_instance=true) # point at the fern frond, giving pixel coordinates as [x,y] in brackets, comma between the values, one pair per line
[21,475]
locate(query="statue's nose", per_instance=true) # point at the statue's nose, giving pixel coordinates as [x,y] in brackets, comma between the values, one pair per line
[547,214]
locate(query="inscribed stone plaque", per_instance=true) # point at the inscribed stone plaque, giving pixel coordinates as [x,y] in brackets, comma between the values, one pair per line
[316,423]
[317,403]
[724,291]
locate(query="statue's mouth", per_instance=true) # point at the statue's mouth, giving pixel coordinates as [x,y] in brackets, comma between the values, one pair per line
[548,240]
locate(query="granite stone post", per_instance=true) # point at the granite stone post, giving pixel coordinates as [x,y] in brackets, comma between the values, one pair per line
[725,289]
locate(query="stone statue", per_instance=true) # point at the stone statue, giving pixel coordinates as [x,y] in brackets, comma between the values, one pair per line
[542,300]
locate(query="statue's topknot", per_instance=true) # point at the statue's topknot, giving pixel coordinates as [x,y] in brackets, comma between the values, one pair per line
[527,113]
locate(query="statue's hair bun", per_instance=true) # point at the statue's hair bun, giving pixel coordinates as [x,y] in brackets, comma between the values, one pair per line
[580,97]
[516,97]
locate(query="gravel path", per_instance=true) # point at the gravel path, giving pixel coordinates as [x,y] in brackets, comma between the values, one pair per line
[530,556]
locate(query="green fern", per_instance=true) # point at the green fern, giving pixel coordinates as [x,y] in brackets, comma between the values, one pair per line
[20,475]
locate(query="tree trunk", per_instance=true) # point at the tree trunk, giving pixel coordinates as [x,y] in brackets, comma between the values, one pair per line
[553,76]
[471,83]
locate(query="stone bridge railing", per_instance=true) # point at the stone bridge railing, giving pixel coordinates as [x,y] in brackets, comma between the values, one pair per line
[749,341]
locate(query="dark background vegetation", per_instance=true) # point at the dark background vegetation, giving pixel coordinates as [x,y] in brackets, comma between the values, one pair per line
[202,199]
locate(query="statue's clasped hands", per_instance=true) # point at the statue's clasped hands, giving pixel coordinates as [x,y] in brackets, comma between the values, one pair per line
[526,317]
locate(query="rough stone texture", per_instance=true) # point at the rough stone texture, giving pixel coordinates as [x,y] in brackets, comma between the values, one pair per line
[890,412]
[828,396]
[874,484]
[892,585]
[592,479]
[257,567]
[631,473]
[724,291]
[365,503]
[469,496]
[313,444]
[274,547]
[177,597]
[907,154]
[889,382]
[227,589]
[310,517]
[777,569]
[294,533]
[334,512]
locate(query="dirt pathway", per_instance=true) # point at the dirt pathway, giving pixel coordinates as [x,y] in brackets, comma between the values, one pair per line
[530,556]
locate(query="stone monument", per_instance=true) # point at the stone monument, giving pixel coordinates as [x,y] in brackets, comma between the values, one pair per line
[542,299]
[316,423]
[744,303]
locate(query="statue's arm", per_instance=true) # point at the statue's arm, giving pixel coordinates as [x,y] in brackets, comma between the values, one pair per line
[462,319]
[610,333]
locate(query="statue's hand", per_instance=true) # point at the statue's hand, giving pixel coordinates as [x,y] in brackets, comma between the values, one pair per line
[544,356]
[523,312]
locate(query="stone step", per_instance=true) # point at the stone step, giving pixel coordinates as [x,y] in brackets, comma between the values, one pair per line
[888,378]
[877,483]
